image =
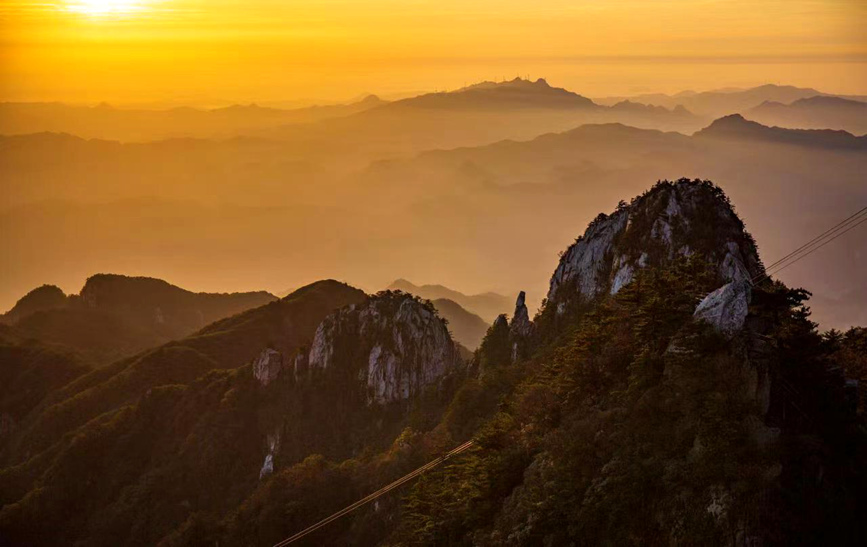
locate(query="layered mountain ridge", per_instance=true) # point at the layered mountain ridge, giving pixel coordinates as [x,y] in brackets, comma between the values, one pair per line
[650,380]
[115,316]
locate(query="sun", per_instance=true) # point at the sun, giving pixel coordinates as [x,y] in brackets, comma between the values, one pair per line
[104,7]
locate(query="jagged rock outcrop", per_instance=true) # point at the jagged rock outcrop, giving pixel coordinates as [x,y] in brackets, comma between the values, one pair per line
[521,325]
[520,328]
[673,219]
[726,308]
[581,267]
[395,344]
[267,366]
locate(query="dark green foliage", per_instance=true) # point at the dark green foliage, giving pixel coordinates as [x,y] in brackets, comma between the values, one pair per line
[495,350]
[163,442]
[29,371]
[629,423]
[637,426]
[849,351]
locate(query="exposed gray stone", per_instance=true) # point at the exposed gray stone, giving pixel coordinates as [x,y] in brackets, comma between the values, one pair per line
[268,465]
[521,324]
[521,328]
[580,266]
[404,350]
[654,229]
[726,308]
[267,366]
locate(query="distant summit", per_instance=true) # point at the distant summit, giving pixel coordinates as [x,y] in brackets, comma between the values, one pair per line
[736,127]
[487,305]
[46,297]
[820,112]
[114,315]
[517,93]
[518,82]
[720,102]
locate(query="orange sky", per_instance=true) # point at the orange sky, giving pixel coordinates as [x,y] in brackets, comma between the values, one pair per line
[217,51]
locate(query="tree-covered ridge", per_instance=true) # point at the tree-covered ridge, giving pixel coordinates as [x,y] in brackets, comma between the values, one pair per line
[116,316]
[638,424]
[625,420]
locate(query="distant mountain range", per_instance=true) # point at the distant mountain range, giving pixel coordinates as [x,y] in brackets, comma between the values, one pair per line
[466,327]
[486,305]
[819,112]
[714,104]
[736,127]
[517,109]
[134,125]
[115,316]
[443,181]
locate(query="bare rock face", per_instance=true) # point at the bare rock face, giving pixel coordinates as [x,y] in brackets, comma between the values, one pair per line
[267,366]
[521,328]
[579,268]
[521,324]
[268,464]
[726,308]
[671,220]
[395,345]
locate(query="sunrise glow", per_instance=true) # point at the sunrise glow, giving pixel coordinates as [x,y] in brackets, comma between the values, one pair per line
[104,7]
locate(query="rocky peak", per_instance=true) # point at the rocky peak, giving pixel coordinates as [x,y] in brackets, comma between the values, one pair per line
[672,219]
[394,343]
[521,325]
[520,328]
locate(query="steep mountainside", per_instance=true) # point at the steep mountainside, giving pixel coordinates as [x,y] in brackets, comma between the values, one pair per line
[29,371]
[658,395]
[649,405]
[201,422]
[398,344]
[115,316]
[673,221]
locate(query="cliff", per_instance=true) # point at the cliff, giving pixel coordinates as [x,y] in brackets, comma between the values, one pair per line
[395,343]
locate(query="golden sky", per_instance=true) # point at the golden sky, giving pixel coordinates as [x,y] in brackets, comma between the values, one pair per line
[216,51]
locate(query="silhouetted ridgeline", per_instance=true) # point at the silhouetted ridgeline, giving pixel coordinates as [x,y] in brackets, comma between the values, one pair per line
[114,316]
